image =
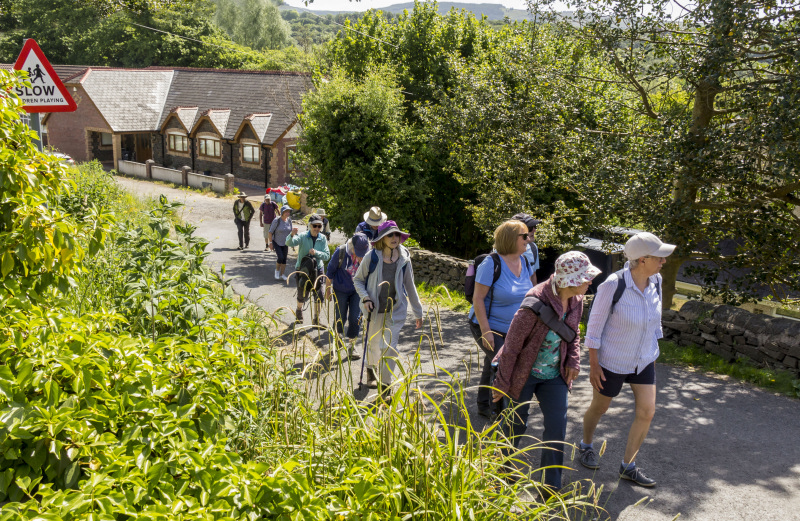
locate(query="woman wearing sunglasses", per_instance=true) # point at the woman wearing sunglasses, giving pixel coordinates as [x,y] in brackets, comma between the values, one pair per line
[495,302]
[385,283]
[315,244]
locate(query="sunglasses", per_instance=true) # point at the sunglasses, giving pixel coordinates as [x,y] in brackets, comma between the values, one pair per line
[660,259]
[524,236]
[316,226]
[395,234]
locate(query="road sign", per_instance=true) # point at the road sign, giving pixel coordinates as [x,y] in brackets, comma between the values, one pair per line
[46,93]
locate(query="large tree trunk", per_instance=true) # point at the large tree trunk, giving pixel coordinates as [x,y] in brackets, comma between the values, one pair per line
[669,273]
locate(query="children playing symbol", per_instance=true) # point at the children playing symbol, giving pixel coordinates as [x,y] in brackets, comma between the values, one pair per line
[37,74]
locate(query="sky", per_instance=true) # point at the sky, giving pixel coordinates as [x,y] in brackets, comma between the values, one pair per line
[363,5]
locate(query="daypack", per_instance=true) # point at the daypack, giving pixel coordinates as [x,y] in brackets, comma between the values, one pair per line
[547,315]
[621,287]
[373,263]
[472,271]
[308,266]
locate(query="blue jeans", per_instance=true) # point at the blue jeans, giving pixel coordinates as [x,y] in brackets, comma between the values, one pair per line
[553,399]
[347,310]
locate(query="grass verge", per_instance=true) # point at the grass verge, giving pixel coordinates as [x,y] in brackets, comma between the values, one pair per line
[443,297]
[782,382]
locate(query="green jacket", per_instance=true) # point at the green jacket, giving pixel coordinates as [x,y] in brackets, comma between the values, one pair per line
[246,213]
[304,241]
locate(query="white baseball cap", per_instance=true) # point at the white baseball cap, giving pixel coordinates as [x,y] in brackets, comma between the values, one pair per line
[644,244]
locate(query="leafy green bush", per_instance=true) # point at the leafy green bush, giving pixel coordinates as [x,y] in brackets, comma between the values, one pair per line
[90,186]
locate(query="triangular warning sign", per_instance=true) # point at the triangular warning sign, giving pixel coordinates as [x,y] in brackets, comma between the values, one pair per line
[46,93]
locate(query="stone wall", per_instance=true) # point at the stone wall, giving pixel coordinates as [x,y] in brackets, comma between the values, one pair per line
[436,268]
[732,332]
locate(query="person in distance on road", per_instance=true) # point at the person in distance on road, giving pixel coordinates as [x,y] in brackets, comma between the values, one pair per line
[279,231]
[623,347]
[267,212]
[242,214]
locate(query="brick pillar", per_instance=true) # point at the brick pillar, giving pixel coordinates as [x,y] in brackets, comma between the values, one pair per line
[148,166]
[229,183]
[185,175]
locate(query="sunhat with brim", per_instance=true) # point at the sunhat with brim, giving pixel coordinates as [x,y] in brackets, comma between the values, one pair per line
[646,244]
[242,194]
[375,217]
[320,212]
[387,228]
[285,208]
[360,244]
[573,269]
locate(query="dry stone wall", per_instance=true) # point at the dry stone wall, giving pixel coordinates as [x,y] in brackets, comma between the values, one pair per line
[732,332]
[436,268]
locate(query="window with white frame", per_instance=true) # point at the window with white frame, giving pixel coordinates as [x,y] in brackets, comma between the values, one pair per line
[209,147]
[177,143]
[251,153]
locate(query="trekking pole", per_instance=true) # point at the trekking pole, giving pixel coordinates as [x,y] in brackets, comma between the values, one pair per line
[364,358]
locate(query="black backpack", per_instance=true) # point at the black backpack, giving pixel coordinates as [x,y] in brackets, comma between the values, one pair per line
[621,287]
[469,281]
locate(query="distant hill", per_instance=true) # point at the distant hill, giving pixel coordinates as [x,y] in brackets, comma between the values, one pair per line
[491,11]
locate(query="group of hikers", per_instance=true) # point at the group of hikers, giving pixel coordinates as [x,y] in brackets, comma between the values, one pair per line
[527,330]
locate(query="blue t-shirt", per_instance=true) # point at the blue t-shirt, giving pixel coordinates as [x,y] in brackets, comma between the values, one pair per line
[508,293]
[532,254]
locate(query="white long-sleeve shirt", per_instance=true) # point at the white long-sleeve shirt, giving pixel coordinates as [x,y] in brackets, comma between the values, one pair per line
[627,339]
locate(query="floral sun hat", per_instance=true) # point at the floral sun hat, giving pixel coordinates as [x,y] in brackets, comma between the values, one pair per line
[573,269]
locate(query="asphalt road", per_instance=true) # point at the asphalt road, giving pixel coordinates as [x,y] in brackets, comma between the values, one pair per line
[720,450]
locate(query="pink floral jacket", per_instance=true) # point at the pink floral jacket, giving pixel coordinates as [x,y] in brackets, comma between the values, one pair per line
[525,336]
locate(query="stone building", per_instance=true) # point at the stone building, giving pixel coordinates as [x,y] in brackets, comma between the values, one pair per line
[212,120]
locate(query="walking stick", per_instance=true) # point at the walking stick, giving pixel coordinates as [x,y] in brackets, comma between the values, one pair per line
[364,358]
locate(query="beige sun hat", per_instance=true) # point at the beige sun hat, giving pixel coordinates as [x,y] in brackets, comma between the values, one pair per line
[375,217]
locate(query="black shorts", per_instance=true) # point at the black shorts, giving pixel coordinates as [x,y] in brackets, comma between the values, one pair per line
[614,381]
[304,287]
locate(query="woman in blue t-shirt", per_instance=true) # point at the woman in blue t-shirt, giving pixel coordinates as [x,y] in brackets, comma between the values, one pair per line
[495,305]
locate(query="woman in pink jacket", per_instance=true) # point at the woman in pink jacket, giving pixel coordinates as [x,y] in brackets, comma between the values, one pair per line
[541,356]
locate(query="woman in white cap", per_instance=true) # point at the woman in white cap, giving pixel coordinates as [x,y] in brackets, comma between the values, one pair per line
[541,356]
[622,337]
[385,284]
[372,220]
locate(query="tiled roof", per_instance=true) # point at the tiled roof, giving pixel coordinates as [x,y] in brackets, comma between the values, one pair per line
[64,72]
[260,124]
[186,115]
[219,117]
[129,100]
[243,93]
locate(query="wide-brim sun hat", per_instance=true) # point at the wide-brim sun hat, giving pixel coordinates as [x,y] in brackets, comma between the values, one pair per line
[387,228]
[360,244]
[375,217]
[646,244]
[573,269]
[321,212]
[285,208]
[242,194]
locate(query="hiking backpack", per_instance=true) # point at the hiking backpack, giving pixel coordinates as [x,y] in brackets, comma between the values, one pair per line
[472,271]
[621,287]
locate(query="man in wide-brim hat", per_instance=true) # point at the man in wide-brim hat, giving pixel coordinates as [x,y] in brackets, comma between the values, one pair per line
[372,219]
[243,211]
